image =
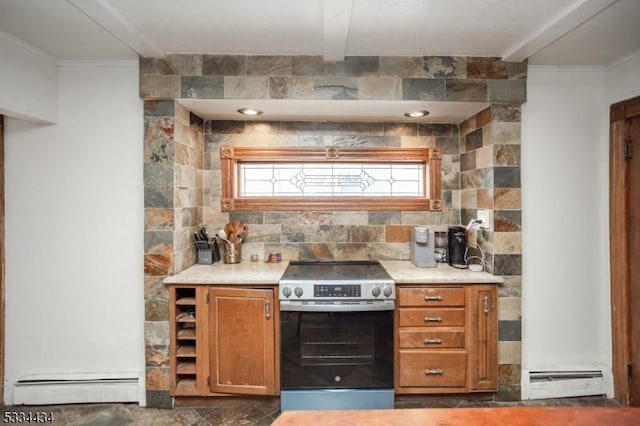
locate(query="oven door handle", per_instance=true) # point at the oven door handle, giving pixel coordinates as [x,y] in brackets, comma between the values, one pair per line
[294,307]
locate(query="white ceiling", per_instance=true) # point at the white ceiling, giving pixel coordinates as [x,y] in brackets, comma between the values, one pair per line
[587,33]
[548,32]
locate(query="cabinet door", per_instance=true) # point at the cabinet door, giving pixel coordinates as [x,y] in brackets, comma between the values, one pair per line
[242,339]
[482,309]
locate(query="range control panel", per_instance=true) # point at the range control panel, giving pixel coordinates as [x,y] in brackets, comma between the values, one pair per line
[333,290]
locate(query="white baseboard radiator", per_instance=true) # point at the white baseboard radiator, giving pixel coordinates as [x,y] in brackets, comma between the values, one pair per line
[564,383]
[75,389]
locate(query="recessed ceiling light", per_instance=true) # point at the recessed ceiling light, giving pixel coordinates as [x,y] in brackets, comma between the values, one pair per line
[416,114]
[250,111]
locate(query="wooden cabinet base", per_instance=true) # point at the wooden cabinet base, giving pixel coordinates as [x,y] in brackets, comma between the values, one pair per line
[223,341]
[446,339]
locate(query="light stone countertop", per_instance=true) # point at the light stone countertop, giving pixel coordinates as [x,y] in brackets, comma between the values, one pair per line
[235,273]
[405,272]
[251,273]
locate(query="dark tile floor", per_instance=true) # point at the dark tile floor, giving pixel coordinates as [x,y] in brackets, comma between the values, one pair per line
[230,413]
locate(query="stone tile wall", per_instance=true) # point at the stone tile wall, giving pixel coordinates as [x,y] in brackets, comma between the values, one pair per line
[182,178]
[490,179]
[426,78]
[332,234]
[173,194]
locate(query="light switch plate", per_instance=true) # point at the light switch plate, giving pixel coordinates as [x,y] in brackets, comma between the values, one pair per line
[484,216]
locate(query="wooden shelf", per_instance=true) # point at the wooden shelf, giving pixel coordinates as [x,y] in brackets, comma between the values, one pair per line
[185,318]
[187,351]
[186,301]
[186,386]
[187,334]
[186,367]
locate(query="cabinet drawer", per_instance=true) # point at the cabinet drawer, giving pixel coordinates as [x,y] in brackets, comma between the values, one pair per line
[430,339]
[430,368]
[431,296]
[431,317]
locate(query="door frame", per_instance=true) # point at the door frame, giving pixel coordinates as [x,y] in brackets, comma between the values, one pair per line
[2,268]
[619,259]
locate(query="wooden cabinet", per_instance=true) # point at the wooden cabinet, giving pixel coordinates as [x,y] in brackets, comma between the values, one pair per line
[242,340]
[446,339]
[223,340]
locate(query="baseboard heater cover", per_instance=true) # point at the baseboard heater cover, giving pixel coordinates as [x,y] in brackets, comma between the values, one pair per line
[75,391]
[564,384]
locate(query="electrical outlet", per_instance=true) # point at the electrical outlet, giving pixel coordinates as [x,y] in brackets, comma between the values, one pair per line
[484,216]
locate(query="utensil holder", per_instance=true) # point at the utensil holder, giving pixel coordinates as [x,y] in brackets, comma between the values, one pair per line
[232,252]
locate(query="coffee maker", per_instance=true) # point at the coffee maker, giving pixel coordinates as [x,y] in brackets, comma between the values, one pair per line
[423,244]
[457,247]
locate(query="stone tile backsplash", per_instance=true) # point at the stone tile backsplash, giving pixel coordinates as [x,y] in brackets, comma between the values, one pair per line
[339,234]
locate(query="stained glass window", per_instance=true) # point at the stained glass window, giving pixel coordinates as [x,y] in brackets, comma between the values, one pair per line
[331,179]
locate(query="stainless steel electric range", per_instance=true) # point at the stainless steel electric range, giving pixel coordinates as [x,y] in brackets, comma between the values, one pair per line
[336,328]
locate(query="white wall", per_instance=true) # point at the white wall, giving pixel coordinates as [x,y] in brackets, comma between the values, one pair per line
[565,285]
[74,227]
[565,294]
[623,81]
[28,82]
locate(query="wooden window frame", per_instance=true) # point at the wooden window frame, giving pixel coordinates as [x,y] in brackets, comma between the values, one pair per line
[231,156]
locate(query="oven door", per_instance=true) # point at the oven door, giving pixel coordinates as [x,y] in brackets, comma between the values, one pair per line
[336,350]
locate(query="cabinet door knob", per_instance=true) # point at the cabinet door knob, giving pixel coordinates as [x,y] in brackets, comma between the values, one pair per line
[433,298]
[432,319]
[434,372]
[436,341]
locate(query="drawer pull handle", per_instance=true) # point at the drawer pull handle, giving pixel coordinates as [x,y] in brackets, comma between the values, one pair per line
[432,319]
[432,341]
[434,372]
[433,298]
[267,309]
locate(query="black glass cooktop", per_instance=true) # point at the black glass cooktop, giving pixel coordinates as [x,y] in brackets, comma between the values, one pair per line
[356,270]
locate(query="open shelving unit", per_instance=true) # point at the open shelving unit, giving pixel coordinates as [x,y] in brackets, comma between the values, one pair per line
[184,342]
